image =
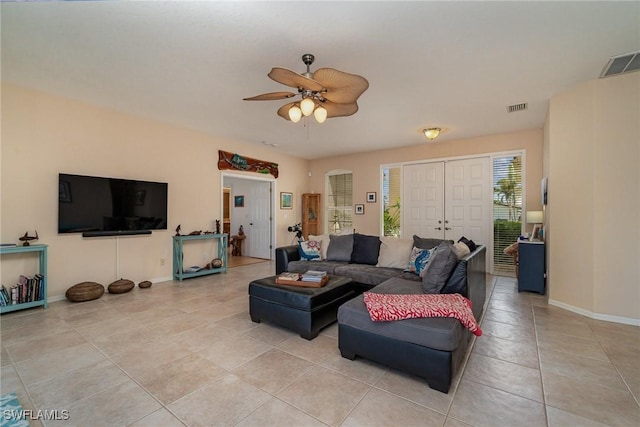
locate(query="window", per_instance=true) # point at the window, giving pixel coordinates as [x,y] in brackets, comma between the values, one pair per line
[507,208]
[339,202]
[391,200]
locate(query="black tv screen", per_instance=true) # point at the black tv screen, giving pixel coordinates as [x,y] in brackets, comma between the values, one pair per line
[91,204]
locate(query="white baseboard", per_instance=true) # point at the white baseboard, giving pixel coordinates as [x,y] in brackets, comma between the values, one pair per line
[597,316]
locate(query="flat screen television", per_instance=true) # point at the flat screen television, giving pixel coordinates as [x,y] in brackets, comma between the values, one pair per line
[98,206]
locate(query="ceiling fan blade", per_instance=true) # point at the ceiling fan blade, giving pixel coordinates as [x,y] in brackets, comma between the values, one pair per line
[271,96]
[342,88]
[293,79]
[340,110]
[284,110]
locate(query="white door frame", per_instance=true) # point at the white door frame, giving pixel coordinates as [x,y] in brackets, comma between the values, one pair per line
[224,175]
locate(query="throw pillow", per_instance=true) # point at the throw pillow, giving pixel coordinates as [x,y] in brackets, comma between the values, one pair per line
[437,272]
[461,250]
[365,249]
[418,260]
[426,242]
[324,243]
[340,248]
[470,243]
[394,252]
[457,282]
[310,250]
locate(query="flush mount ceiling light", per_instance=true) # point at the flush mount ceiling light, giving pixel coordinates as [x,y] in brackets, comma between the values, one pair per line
[431,133]
[325,93]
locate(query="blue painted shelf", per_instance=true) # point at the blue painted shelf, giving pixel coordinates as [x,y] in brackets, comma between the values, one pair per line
[41,252]
[178,243]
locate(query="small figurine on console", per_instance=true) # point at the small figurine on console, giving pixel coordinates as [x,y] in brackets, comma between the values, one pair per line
[26,238]
[195,233]
[217,226]
[178,229]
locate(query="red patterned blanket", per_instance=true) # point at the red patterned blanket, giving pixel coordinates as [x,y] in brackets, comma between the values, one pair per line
[386,307]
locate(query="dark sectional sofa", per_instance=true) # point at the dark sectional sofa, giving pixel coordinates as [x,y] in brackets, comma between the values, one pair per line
[432,348]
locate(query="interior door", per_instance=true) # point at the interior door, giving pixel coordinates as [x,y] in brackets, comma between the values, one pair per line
[468,199]
[423,200]
[259,232]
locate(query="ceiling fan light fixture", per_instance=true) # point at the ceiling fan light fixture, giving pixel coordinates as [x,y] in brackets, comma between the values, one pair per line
[307,105]
[431,133]
[320,114]
[295,114]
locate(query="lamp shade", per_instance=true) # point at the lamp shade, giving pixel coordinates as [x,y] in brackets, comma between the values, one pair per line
[320,114]
[535,217]
[295,114]
[307,105]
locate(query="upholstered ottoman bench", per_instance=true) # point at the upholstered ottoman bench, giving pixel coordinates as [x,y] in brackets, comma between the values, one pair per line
[301,309]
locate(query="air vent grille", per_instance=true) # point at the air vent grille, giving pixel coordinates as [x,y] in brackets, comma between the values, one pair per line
[622,64]
[516,107]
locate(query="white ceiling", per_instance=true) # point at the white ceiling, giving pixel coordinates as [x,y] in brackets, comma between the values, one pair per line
[456,65]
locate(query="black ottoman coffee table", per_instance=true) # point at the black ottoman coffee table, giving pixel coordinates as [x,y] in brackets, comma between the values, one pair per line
[301,309]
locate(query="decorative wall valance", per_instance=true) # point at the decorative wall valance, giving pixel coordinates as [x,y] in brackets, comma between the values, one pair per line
[228,160]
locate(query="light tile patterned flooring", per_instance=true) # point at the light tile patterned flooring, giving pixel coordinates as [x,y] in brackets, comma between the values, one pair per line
[187,354]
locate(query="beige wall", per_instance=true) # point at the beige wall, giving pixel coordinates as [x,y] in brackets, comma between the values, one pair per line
[366,168]
[43,135]
[594,198]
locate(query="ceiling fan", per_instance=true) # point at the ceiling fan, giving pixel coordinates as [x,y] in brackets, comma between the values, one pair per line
[325,93]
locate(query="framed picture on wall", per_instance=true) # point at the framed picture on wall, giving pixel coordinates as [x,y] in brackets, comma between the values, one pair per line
[371,197]
[286,200]
[359,209]
[238,201]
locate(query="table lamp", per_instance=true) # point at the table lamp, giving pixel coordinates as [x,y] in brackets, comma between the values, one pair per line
[536,218]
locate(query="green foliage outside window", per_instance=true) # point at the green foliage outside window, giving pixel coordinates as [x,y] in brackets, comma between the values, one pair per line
[392,219]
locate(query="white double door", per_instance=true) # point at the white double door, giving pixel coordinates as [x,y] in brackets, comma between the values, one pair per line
[448,200]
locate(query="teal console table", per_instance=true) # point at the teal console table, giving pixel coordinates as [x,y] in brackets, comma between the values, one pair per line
[178,243]
[41,251]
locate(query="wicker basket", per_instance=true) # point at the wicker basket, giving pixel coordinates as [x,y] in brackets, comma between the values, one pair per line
[145,284]
[84,291]
[121,286]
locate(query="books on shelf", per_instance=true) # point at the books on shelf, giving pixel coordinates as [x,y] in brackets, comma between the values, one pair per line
[313,276]
[28,289]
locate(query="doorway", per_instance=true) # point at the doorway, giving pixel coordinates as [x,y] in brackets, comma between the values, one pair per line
[251,206]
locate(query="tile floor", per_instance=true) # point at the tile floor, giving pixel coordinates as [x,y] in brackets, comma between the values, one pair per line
[187,354]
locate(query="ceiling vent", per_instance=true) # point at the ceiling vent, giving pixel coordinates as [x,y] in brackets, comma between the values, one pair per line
[516,107]
[621,64]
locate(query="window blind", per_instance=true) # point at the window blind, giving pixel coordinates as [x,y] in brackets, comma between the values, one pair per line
[507,209]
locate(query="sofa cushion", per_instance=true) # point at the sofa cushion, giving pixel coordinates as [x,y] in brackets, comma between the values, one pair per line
[366,274]
[418,260]
[440,333]
[365,249]
[310,249]
[303,266]
[389,308]
[340,248]
[439,268]
[394,252]
[399,286]
[425,242]
[324,239]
